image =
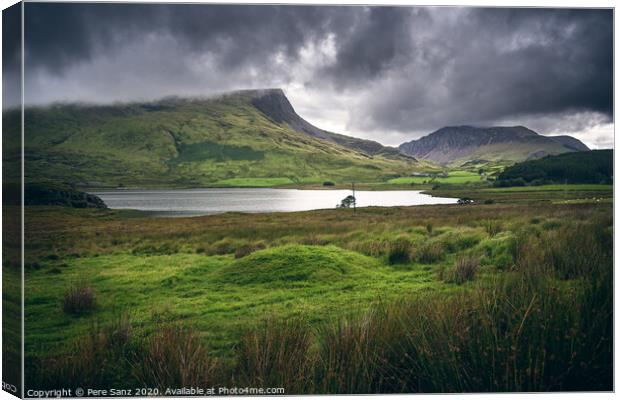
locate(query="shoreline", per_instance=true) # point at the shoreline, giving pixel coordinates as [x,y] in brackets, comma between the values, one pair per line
[379,186]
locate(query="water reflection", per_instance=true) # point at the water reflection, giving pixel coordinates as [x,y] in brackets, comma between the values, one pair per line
[214,201]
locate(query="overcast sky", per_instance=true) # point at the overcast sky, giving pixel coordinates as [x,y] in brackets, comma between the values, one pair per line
[388,74]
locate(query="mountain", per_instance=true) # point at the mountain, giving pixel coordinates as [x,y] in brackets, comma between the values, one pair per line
[274,104]
[570,142]
[247,138]
[456,145]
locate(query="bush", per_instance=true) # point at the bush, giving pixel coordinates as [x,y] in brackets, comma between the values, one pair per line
[79,299]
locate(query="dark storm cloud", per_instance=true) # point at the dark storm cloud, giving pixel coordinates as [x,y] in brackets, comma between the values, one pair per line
[60,34]
[379,40]
[11,34]
[11,55]
[494,63]
[397,70]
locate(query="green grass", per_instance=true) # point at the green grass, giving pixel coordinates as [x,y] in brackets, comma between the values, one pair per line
[454,177]
[204,291]
[587,193]
[326,269]
[542,188]
[196,152]
[254,182]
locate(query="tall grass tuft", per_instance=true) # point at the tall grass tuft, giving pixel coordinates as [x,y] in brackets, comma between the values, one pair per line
[430,253]
[493,227]
[429,228]
[276,354]
[399,252]
[574,251]
[350,354]
[465,269]
[79,299]
[92,360]
[174,357]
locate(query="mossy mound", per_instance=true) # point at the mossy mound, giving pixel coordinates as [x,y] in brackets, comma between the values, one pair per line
[296,263]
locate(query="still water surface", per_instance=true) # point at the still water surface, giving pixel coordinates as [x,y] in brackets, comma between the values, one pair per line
[191,202]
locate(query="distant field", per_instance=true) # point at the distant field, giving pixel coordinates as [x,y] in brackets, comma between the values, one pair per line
[454,177]
[571,187]
[254,182]
[528,194]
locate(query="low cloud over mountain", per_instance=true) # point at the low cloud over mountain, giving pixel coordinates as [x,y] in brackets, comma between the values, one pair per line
[389,74]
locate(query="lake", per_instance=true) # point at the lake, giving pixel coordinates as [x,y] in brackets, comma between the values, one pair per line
[193,202]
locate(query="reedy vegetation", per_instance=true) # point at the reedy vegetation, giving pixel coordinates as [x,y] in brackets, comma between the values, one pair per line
[542,321]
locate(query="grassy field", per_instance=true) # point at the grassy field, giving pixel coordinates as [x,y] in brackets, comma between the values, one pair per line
[264,182]
[454,177]
[545,188]
[525,194]
[405,299]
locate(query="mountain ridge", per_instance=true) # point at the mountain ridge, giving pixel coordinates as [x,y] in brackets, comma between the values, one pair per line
[276,106]
[509,144]
[570,142]
[186,142]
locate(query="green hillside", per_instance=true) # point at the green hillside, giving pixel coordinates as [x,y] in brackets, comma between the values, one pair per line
[596,166]
[186,142]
